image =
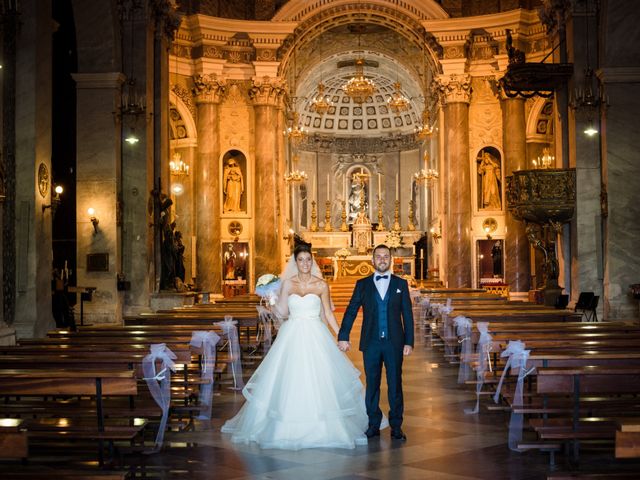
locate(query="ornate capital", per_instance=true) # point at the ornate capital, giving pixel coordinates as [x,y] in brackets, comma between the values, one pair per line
[267,91]
[453,88]
[208,88]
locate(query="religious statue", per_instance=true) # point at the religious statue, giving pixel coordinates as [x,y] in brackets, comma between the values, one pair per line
[496,255]
[180,271]
[233,186]
[489,170]
[168,247]
[229,263]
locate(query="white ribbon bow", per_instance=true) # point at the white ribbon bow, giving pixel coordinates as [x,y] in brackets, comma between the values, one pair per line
[159,383]
[518,357]
[483,351]
[229,330]
[207,341]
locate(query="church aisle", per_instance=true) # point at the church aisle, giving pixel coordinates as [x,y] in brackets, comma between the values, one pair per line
[443,443]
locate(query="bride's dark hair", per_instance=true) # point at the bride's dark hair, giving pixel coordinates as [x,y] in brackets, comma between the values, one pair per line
[302,247]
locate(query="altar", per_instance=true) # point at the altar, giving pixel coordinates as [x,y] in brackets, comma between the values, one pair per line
[347,262]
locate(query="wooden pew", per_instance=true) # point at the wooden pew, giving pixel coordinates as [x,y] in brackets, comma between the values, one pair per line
[96,384]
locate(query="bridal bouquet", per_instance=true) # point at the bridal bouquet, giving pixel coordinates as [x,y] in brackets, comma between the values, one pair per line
[267,287]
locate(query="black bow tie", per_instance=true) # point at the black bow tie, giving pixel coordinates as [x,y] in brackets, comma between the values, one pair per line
[378,277]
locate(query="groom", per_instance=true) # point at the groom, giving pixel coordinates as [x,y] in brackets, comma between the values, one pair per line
[385,337]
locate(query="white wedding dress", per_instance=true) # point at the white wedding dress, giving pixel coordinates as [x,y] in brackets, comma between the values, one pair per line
[306,393]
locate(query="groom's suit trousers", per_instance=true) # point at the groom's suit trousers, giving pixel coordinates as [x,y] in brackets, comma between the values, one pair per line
[377,353]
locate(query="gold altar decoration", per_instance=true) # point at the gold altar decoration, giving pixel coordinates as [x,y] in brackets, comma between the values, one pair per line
[544,200]
[327,217]
[489,225]
[359,87]
[397,101]
[393,239]
[314,217]
[396,223]
[380,226]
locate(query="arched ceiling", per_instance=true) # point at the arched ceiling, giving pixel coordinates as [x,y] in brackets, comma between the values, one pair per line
[346,117]
[330,59]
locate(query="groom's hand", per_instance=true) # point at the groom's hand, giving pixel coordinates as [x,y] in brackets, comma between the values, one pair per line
[408,349]
[344,346]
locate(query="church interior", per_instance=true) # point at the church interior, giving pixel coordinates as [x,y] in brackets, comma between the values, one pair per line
[160,156]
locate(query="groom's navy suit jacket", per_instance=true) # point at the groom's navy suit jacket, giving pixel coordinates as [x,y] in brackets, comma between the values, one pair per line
[364,295]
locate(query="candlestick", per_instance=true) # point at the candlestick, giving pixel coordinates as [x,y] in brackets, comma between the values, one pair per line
[344,227]
[380,226]
[327,217]
[396,223]
[314,217]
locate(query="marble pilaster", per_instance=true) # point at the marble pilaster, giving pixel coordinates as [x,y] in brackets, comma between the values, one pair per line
[33,224]
[516,252]
[455,91]
[98,171]
[266,94]
[209,90]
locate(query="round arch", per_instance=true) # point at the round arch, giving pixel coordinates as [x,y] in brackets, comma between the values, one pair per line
[185,115]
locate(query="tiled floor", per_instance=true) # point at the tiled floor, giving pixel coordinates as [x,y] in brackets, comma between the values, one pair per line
[443,442]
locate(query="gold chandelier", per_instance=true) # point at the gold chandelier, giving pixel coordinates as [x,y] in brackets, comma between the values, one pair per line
[546,160]
[296,176]
[177,166]
[359,87]
[397,101]
[296,133]
[424,130]
[320,103]
[425,175]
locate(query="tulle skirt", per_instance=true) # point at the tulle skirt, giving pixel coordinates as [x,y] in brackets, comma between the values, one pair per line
[306,393]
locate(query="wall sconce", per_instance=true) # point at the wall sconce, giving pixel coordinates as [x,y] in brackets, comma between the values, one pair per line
[435,235]
[289,235]
[94,220]
[55,200]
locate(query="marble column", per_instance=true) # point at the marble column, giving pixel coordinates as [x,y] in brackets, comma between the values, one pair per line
[455,91]
[266,94]
[516,252]
[209,90]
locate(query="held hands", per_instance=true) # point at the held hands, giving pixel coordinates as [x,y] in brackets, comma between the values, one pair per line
[408,349]
[344,345]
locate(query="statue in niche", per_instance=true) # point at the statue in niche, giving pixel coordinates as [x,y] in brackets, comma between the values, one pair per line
[357,200]
[496,256]
[489,171]
[233,186]
[229,263]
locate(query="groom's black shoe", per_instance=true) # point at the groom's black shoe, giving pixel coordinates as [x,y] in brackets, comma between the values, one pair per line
[372,432]
[398,434]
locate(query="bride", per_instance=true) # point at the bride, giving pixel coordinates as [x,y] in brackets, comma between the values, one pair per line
[305,393]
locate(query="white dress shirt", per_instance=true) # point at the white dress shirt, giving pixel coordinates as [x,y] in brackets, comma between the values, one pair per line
[382,285]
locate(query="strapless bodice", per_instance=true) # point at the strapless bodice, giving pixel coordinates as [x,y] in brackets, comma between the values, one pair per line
[304,307]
